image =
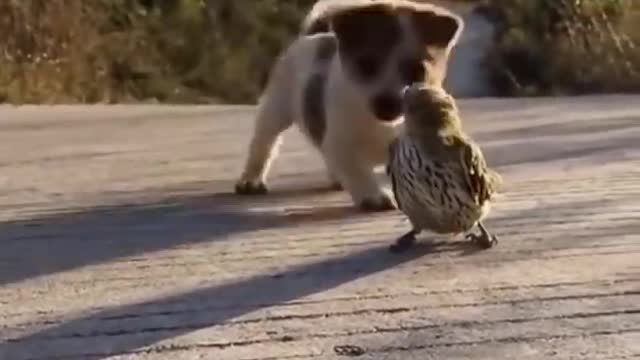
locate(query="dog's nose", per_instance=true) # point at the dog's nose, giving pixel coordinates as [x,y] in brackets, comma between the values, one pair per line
[387,106]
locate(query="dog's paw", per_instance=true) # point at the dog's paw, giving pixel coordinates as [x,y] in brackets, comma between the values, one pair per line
[245,187]
[377,204]
[335,186]
[334,183]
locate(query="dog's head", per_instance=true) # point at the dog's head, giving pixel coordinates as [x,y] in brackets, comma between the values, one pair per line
[385,45]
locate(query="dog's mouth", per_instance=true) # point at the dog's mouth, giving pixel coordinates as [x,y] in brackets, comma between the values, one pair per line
[387,107]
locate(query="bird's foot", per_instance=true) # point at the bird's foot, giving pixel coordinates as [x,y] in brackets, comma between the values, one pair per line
[335,186]
[404,242]
[334,183]
[483,239]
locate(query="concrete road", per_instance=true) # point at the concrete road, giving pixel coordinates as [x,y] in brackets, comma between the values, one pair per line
[119,239]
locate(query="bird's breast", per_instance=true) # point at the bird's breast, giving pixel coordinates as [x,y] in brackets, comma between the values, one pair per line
[432,192]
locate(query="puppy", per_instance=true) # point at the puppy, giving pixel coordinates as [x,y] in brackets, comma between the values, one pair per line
[341,81]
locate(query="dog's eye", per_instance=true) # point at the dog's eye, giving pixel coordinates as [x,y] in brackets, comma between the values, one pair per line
[368,67]
[412,71]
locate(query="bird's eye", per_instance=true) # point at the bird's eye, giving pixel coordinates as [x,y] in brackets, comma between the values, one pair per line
[412,70]
[368,67]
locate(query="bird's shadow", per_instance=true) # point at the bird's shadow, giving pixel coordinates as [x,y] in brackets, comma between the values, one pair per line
[459,248]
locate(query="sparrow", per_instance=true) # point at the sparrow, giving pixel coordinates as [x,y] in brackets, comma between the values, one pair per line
[439,176]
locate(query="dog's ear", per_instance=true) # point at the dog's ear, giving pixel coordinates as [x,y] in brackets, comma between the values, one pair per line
[436,28]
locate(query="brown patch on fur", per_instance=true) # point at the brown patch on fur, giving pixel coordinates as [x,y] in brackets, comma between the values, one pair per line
[313,97]
[313,107]
[366,37]
[326,49]
[317,27]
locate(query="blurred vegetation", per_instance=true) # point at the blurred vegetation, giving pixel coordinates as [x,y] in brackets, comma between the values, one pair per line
[554,47]
[54,51]
[65,51]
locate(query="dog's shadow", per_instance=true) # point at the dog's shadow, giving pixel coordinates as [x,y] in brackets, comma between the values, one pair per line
[302,214]
[62,242]
[316,203]
[68,238]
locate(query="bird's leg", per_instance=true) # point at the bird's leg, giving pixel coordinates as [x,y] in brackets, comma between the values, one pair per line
[484,239]
[404,242]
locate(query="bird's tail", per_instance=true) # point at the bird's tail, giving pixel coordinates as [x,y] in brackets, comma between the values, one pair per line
[495,179]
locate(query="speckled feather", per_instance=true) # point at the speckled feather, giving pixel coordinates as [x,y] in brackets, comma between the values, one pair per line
[482,182]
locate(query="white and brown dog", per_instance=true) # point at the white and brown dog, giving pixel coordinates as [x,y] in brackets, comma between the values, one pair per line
[341,82]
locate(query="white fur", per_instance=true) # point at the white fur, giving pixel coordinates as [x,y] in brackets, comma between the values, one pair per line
[355,142]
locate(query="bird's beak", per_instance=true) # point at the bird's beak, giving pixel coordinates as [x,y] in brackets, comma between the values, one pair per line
[404,90]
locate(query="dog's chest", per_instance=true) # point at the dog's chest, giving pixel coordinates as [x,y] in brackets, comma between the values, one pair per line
[374,137]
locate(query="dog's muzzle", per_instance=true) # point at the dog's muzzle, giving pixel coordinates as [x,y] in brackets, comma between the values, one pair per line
[387,106]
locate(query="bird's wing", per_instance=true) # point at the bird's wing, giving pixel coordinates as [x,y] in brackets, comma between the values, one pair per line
[482,182]
[393,148]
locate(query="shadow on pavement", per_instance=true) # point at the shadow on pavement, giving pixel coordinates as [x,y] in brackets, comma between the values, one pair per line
[73,238]
[237,298]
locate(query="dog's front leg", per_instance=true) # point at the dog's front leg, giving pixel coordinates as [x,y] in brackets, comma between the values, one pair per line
[273,118]
[357,177]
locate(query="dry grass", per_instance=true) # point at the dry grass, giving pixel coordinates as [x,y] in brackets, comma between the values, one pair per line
[71,51]
[567,47]
[42,51]
[119,50]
